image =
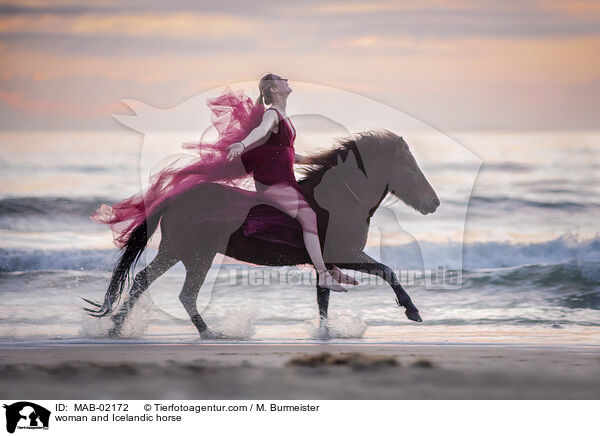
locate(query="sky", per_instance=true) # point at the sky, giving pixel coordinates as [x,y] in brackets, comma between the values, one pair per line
[455,65]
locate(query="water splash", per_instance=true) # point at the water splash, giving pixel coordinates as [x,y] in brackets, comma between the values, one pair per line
[237,323]
[340,325]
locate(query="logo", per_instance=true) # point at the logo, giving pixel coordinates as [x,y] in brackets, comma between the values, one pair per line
[379,173]
[26,415]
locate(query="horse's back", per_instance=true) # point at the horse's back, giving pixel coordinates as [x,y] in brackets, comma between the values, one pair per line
[204,214]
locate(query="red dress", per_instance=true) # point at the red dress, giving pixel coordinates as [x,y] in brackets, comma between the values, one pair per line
[234,115]
[273,163]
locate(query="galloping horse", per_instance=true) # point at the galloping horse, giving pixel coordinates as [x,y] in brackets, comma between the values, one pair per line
[345,186]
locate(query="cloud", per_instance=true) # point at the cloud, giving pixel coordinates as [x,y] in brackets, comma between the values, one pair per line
[577,7]
[61,108]
[433,50]
[170,25]
[314,21]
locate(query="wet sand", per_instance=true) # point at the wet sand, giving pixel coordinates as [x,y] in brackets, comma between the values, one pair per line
[129,370]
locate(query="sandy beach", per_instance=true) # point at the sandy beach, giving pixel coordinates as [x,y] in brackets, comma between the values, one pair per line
[130,370]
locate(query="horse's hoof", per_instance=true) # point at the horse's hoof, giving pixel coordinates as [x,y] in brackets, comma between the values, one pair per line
[114,333]
[118,320]
[209,334]
[413,315]
[323,333]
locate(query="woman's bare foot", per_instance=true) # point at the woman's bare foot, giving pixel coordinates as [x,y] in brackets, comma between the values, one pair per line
[326,280]
[340,277]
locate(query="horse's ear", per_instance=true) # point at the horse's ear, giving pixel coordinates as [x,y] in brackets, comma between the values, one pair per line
[400,147]
[340,162]
[403,144]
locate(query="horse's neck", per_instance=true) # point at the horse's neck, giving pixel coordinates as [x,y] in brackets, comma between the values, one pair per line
[365,193]
[377,176]
[374,208]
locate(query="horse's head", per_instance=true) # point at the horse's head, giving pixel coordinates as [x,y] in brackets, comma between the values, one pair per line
[406,180]
[388,166]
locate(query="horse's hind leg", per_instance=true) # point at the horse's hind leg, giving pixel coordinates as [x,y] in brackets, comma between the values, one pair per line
[159,265]
[195,276]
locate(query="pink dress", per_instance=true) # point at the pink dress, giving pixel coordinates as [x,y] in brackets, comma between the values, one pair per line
[234,115]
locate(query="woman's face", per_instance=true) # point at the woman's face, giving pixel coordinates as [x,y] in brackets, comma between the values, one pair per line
[282,86]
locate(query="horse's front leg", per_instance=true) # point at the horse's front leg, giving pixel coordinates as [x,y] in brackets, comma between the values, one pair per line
[323,298]
[323,302]
[366,263]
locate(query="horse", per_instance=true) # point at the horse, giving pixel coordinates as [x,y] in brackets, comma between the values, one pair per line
[344,185]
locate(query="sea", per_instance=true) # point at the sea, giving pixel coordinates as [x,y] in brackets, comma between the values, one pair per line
[522,250]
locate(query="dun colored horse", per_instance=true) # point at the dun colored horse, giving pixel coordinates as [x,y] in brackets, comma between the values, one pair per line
[345,186]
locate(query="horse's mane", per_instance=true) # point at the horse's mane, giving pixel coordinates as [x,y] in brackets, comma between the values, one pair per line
[371,139]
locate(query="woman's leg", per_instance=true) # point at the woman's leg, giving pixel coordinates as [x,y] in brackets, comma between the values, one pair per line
[290,201]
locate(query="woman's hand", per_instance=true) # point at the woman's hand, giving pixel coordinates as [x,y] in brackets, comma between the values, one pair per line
[235,150]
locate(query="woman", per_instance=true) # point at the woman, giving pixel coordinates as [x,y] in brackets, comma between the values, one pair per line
[268,153]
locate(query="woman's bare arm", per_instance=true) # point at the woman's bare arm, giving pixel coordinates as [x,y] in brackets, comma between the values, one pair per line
[260,134]
[256,137]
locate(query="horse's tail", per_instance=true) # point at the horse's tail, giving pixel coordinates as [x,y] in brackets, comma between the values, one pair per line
[131,253]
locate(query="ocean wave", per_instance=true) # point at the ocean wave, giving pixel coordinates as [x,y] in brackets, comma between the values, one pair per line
[574,285]
[567,293]
[511,203]
[48,214]
[18,207]
[491,254]
[573,273]
[484,205]
[475,255]
[14,260]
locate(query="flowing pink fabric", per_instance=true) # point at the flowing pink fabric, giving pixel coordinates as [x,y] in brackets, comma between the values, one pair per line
[234,115]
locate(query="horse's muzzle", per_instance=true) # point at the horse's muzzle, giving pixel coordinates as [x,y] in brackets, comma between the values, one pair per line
[429,206]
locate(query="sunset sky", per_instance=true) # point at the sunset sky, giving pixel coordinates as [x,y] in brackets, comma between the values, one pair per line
[481,64]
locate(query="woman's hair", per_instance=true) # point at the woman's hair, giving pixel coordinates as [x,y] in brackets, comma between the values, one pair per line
[264,86]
